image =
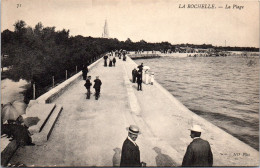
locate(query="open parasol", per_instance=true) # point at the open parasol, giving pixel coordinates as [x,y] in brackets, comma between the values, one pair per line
[146,67]
[12,110]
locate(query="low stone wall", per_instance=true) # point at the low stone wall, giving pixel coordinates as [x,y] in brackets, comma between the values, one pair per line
[54,93]
[8,152]
[48,97]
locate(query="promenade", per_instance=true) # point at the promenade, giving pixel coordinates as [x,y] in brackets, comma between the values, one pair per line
[91,132]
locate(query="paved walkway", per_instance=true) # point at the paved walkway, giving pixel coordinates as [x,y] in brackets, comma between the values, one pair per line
[91,132]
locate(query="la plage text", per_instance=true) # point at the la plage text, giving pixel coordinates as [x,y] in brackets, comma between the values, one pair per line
[198,6]
[211,6]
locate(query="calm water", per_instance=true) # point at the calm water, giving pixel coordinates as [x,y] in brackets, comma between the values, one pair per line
[223,90]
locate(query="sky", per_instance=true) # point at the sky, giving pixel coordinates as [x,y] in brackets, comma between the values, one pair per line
[149,20]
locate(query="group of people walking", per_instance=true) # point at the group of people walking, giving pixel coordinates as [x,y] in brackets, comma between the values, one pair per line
[110,58]
[88,84]
[139,76]
[198,153]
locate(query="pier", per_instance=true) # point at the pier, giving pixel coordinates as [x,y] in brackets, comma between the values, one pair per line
[90,132]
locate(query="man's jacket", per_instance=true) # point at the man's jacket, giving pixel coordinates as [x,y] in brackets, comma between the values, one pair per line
[198,154]
[130,156]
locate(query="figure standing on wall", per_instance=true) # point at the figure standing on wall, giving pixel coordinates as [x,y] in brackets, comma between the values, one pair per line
[85,72]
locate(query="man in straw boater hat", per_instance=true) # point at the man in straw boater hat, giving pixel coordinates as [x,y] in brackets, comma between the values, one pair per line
[130,156]
[198,152]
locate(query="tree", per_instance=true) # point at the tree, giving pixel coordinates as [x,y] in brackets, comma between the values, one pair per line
[38,29]
[19,26]
[7,37]
[129,41]
[19,29]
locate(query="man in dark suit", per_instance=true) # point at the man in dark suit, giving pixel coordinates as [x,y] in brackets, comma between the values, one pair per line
[97,86]
[140,67]
[130,156]
[87,85]
[139,81]
[105,60]
[85,72]
[198,152]
[134,74]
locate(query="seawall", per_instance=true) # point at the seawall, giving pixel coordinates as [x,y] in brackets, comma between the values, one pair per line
[52,94]
[91,132]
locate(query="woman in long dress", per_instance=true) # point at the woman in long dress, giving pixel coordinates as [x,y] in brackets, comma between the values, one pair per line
[146,77]
[110,60]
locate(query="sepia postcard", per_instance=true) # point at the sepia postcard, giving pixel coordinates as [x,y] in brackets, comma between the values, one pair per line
[129,83]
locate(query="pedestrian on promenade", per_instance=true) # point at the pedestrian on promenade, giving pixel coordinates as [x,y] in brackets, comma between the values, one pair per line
[105,60]
[134,75]
[198,152]
[146,78]
[139,81]
[114,61]
[152,78]
[97,86]
[130,156]
[85,72]
[140,67]
[87,85]
[124,55]
[110,61]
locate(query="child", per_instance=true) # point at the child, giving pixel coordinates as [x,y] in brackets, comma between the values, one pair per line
[152,78]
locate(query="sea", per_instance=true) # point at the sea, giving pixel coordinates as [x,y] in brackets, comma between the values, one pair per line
[223,90]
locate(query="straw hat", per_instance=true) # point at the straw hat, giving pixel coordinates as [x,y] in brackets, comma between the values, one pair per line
[133,129]
[196,128]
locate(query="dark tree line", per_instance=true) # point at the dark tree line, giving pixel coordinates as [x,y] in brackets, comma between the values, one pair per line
[38,53]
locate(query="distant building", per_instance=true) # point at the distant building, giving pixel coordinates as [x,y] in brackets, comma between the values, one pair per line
[105,33]
[184,50]
[200,50]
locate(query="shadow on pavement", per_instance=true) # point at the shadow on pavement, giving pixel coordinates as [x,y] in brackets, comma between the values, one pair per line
[163,160]
[117,157]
